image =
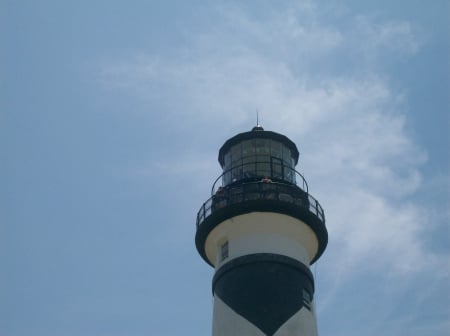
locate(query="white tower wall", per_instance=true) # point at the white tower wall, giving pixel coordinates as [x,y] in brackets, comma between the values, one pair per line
[261,233]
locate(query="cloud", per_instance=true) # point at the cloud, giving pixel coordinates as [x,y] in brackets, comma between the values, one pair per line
[392,36]
[348,121]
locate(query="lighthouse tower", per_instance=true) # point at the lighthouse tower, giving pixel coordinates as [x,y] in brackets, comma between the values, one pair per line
[261,230]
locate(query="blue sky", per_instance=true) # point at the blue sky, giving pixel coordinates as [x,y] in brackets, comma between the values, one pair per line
[111,117]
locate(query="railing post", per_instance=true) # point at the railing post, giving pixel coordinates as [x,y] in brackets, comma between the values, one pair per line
[317,208]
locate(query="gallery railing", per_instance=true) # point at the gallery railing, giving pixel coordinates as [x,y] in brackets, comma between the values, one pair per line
[257,170]
[261,190]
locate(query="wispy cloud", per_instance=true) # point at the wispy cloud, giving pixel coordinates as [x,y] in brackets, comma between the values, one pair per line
[348,121]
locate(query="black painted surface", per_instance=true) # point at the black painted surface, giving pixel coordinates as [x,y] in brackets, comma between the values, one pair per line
[266,289]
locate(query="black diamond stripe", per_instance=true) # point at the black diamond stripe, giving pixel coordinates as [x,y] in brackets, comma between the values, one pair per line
[266,289]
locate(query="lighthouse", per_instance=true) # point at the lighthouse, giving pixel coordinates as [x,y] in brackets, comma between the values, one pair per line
[261,230]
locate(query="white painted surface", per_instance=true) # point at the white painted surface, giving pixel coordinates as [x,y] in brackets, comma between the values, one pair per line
[266,243]
[262,232]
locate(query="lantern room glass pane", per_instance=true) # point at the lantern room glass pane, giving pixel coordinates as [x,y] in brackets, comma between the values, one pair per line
[262,146]
[289,174]
[249,166]
[236,154]
[236,173]
[276,149]
[277,168]
[263,165]
[227,161]
[248,148]
[226,177]
[287,157]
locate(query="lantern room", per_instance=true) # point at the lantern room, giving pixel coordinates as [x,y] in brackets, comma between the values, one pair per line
[257,154]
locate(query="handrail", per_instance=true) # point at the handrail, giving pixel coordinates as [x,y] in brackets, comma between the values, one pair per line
[281,192]
[216,185]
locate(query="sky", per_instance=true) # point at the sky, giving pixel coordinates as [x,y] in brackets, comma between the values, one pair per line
[111,117]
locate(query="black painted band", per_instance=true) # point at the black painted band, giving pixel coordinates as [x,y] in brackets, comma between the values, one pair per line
[264,258]
[266,289]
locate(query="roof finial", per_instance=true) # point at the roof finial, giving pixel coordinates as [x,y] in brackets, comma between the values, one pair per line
[257,127]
